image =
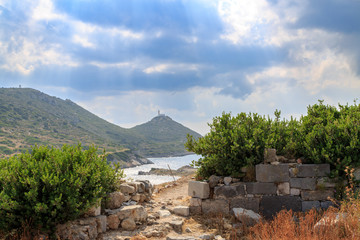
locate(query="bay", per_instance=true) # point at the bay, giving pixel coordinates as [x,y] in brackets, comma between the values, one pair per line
[173,162]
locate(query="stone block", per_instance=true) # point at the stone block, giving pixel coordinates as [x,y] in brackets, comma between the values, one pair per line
[318,195]
[311,170]
[250,203]
[260,188]
[137,212]
[126,188]
[114,200]
[247,217]
[227,180]
[182,211]
[303,183]
[270,205]
[195,202]
[199,189]
[326,204]
[195,210]
[307,205]
[101,223]
[229,191]
[325,182]
[214,180]
[177,225]
[128,224]
[113,221]
[215,206]
[294,191]
[93,212]
[270,155]
[272,173]
[283,188]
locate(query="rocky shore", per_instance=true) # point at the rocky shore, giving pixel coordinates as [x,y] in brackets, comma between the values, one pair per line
[183,171]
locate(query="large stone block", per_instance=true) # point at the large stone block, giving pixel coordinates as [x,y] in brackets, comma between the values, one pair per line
[260,188]
[250,203]
[199,189]
[311,170]
[229,191]
[272,173]
[307,205]
[215,206]
[303,183]
[318,195]
[270,205]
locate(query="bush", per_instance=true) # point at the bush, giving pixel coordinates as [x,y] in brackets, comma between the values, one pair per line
[235,142]
[51,186]
[325,135]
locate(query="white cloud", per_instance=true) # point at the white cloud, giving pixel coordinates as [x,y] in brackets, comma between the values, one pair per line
[45,11]
[171,68]
[83,41]
[31,54]
[246,20]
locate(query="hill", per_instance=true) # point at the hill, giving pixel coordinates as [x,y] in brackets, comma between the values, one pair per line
[165,133]
[29,117]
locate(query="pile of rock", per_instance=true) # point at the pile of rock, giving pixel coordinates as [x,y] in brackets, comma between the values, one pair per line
[121,212]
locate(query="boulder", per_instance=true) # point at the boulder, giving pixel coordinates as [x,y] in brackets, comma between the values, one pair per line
[164,213]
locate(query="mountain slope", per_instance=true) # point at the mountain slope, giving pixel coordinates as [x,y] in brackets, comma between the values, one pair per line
[29,117]
[164,132]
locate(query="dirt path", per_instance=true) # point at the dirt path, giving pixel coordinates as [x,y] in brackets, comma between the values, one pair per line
[163,223]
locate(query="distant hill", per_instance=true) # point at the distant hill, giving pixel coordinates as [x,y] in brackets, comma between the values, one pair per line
[165,133]
[29,117]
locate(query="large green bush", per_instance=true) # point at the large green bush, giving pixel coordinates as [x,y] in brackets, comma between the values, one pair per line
[325,135]
[51,186]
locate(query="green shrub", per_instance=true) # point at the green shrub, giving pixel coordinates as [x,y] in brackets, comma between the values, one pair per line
[235,142]
[51,186]
[325,135]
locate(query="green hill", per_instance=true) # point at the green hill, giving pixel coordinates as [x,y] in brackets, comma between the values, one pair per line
[29,117]
[164,133]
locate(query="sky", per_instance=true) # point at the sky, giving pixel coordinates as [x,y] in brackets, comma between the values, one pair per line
[190,59]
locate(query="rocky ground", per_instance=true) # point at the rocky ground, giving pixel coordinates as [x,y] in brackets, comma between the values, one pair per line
[168,218]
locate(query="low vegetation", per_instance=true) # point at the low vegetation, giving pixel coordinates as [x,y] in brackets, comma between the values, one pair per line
[325,135]
[50,186]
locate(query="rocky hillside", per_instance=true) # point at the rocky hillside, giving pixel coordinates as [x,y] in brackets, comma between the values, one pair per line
[165,132]
[29,117]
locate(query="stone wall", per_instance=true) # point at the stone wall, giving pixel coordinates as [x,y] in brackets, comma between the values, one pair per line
[119,211]
[278,186]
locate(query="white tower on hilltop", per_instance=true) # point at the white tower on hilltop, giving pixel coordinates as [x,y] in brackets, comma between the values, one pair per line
[160,114]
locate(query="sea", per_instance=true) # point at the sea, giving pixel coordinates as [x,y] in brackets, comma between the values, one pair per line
[173,162]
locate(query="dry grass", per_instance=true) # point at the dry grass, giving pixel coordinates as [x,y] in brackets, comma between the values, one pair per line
[338,223]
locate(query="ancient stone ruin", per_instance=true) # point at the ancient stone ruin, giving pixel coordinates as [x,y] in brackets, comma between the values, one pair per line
[278,186]
[120,211]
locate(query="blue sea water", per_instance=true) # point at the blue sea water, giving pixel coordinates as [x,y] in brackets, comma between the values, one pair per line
[173,162]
